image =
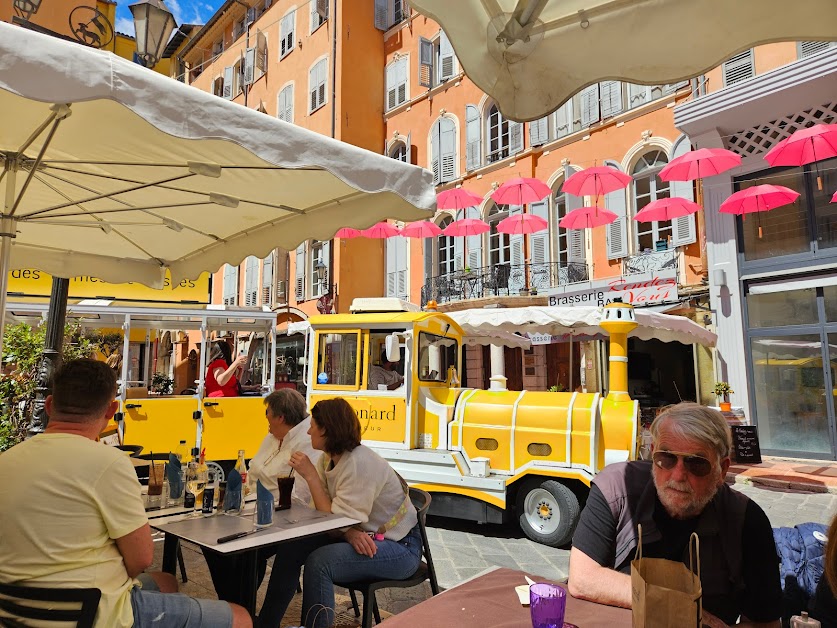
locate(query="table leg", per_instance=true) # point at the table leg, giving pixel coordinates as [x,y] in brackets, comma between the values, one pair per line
[251,581]
[170,545]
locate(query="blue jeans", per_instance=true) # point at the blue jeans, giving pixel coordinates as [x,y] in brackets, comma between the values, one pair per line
[153,609]
[327,561]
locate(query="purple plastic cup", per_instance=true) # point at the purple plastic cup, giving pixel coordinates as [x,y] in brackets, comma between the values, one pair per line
[547,603]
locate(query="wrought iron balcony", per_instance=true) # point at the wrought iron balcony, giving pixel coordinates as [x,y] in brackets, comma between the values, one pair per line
[502,279]
[650,261]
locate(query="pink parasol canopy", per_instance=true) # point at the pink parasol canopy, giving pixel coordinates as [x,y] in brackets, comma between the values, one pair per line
[457,198]
[834,198]
[522,224]
[759,198]
[805,146]
[381,230]
[421,229]
[466,227]
[596,181]
[666,209]
[587,218]
[519,191]
[347,233]
[697,164]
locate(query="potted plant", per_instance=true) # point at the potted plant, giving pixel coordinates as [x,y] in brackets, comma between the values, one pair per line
[161,384]
[723,389]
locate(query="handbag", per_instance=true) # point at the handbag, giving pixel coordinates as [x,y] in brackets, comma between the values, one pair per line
[665,592]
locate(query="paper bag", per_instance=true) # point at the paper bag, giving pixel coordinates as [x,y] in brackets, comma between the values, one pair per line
[664,592]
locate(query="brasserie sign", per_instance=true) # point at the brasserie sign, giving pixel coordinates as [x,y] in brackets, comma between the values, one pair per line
[638,290]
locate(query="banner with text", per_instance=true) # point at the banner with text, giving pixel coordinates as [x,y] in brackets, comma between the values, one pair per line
[643,290]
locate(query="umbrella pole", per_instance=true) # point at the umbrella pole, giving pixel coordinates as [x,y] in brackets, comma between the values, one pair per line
[7,232]
[51,357]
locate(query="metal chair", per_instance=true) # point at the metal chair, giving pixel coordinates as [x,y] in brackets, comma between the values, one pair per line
[26,603]
[426,571]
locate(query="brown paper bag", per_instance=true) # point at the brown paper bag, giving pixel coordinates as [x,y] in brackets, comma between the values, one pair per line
[666,593]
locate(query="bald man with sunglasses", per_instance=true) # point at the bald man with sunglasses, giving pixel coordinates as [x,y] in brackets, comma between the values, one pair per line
[682,490]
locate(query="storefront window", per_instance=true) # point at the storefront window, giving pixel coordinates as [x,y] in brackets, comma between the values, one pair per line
[777,309]
[289,363]
[824,182]
[830,294]
[790,400]
[436,354]
[337,359]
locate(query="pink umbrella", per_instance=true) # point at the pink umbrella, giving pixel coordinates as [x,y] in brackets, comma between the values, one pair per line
[805,146]
[522,224]
[466,227]
[421,229]
[596,181]
[666,209]
[519,191]
[457,198]
[348,233]
[759,198]
[587,218]
[834,198]
[696,164]
[381,230]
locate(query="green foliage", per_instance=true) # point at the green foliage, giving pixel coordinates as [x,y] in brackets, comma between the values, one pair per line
[558,388]
[22,349]
[162,384]
[722,389]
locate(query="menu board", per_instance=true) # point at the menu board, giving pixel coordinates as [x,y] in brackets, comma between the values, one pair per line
[745,444]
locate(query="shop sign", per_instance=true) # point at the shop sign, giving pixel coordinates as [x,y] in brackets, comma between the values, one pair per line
[640,290]
[30,282]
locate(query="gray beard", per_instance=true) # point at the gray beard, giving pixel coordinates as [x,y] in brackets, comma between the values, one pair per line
[694,507]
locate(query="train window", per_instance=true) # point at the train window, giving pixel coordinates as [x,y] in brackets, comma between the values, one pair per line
[435,355]
[487,444]
[539,449]
[337,364]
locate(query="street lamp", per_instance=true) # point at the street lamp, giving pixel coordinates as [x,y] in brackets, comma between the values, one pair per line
[26,8]
[153,23]
[322,272]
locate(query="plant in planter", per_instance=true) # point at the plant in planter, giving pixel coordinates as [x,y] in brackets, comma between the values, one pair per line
[723,390]
[162,384]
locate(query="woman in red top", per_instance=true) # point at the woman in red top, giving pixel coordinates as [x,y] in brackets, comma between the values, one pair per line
[220,374]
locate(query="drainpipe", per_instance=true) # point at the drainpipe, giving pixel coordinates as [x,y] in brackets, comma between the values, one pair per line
[334,70]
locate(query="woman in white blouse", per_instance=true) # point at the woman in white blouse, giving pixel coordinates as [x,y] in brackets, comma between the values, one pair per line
[352,480]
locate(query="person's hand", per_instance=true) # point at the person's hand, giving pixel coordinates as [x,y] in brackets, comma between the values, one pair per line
[361,542]
[240,361]
[302,464]
[710,621]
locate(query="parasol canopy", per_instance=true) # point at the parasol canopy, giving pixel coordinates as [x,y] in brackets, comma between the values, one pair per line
[596,181]
[347,233]
[700,163]
[421,229]
[518,224]
[587,218]
[759,198]
[521,190]
[457,198]
[381,231]
[805,146]
[466,227]
[666,209]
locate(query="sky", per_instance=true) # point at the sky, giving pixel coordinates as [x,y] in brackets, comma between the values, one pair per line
[184,11]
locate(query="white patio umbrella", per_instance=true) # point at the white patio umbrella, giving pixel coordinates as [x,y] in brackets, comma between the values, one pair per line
[115,171]
[533,55]
[579,320]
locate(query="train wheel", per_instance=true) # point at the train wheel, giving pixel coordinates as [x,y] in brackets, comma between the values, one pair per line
[548,512]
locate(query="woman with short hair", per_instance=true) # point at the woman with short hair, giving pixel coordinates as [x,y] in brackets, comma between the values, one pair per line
[354,481]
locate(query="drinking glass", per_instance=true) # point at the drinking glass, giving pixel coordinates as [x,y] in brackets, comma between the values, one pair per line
[286,488]
[263,515]
[547,603]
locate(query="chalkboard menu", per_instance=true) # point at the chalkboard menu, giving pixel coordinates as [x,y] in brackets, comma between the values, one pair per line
[745,444]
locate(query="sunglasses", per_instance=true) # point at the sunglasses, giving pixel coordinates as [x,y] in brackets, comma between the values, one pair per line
[696,465]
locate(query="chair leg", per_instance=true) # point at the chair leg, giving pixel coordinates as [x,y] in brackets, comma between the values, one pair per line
[368,608]
[182,564]
[355,605]
[375,607]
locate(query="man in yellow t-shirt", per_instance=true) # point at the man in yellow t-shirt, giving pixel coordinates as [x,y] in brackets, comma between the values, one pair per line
[72,516]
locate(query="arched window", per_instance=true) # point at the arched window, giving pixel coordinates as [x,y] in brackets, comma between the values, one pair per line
[649,187]
[446,249]
[398,151]
[498,135]
[562,244]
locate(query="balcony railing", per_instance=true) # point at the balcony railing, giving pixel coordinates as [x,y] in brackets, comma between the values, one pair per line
[502,279]
[651,261]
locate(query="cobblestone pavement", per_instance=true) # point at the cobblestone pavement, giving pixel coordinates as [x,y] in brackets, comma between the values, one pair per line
[462,549]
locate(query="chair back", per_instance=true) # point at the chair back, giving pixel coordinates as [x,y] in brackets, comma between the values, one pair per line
[421,500]
[75,605]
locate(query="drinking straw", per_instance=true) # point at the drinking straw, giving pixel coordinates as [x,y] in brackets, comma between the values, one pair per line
[152,468]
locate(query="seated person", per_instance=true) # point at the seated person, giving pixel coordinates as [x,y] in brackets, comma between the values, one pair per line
[823,606]
[681,491]
[384,375]
[351,480]
[78,521]
[287,424]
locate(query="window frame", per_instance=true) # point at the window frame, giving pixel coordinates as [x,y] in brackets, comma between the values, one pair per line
[503,130]
[313,88]
[292,34]
[448,244]
[397,150]
[655,230]
[287,86]
[359,358]
[316,19]
[442,374]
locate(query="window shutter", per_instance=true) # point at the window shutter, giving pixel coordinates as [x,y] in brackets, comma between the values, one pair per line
[590,105]
[249,66]
[447,58]
[434,150]
[287,34]
[638,95]
[251,281]
[429,244]
[323,77]
[402,255]
[539,242]
[564,119]
[300,272]
[575,237]
[473,131]
[228,82]
[683,229]
[267,280]
[539,132]
[230,288]
[261,52]
[458,253]
[617,231]
[401,77]
[322,9]
[425,77]
[474,242]
[447,146]
[392,267]
[516,281]
[611,94]
[286,104]
[381,15]
[390,86]
[808,48]
[515,137]
[739,67]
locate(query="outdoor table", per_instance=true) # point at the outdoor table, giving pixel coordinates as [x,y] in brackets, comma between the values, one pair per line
[490,600]
[288,525]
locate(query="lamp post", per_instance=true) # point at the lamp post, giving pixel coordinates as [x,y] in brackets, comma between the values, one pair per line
[322,272]
[153,23]
[26,8]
